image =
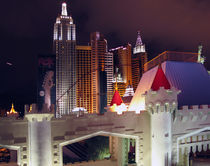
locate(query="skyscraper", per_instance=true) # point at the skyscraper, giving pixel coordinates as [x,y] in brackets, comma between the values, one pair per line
[122,63]
[83,75]
[99,48]
[139,58]
[109,72]
[65,49]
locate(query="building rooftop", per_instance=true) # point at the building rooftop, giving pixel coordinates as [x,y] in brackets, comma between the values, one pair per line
[171,56]
[191,78]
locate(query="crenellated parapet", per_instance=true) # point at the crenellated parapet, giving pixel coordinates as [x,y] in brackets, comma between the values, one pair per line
[190,131]
[72,128]
[161,100]
[193,113]
[109,121]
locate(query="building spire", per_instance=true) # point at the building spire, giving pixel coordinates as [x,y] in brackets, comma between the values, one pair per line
[138,40]
[116,88]
[64,9]
[139,47]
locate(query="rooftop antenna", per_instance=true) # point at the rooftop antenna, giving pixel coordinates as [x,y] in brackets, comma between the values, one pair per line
[116,88]
[64,9]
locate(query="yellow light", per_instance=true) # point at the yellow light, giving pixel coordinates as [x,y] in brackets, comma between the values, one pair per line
[12,110]
[119,109]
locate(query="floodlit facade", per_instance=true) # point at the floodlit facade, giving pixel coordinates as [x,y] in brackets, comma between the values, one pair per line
[99,49]
[164,133]
[110,73]
[64,43]
[122,61]
[83,76]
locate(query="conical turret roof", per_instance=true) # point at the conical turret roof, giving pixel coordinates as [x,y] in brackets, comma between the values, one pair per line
[160,80]
[116,99]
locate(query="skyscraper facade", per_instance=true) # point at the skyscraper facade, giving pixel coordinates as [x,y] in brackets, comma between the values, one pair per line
[139,58]
[83,75]
[110,73]
[65,49]
[99,48]
[122,63]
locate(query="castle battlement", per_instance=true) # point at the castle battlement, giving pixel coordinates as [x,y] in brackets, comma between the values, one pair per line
[106,115]
[193,113]
[186,107]
[33,109]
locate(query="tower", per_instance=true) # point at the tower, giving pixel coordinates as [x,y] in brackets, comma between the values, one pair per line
[118,80]
[161,103]
[109,73]
[122,67]
[99,48]
[64,42]
[139,58]
[122,61]
[83,75]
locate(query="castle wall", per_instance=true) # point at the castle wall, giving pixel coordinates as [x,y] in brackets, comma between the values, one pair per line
[39,140]
[190,130]
[70,129]
[14,136]
[161,138]
[45,136]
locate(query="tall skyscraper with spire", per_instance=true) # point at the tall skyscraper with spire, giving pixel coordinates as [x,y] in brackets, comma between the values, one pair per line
[64,43]
[139,58]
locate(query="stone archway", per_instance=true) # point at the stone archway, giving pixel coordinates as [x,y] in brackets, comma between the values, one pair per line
[121,158]
[14,148]
[196,140]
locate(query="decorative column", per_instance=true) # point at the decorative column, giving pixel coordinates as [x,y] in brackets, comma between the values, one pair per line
[138,153]
[122,158]
[39,139]
[181,157]
[119,150]
[186,156]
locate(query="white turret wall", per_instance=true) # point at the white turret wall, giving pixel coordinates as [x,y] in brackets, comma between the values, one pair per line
[161,105]
[161,141]
[39,137]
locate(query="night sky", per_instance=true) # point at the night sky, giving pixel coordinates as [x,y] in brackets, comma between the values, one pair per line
[27,28]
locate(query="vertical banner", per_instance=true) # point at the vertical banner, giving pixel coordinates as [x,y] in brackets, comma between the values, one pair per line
[46,90]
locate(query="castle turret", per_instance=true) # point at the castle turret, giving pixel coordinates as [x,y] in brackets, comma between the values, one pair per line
[117,104]
[39,136]
[161,103]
